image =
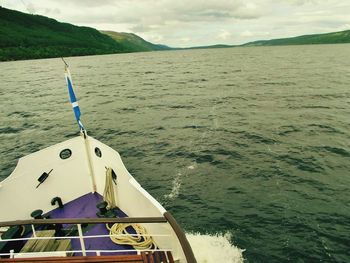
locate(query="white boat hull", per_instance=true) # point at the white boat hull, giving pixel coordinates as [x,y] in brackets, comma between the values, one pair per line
[83,172]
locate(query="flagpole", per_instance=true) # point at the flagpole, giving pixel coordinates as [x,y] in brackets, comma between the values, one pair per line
[77,114]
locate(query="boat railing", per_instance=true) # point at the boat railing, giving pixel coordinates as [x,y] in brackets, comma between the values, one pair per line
[81,237]
[50,221]
[168,218]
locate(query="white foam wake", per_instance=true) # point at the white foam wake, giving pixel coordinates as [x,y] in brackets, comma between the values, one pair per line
[177,181]
[175,190]
[214,248]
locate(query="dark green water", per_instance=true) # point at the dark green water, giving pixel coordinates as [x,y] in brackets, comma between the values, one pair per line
[250,141]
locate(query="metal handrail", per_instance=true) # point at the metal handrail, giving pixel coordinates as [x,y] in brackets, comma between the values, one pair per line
[168,218]
[76,237]
[50,221]
[99,251]
[78,222]
[186,248]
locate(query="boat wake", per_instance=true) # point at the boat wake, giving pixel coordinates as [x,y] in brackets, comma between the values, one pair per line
[214,248]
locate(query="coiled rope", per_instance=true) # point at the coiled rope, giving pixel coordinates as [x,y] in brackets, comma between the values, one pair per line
[119,232]
[108,193]
[140,241]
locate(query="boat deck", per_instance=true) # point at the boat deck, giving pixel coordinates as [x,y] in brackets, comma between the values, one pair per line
[85,207]
[69,249]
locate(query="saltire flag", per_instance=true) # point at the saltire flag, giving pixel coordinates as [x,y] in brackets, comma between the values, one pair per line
[72,97]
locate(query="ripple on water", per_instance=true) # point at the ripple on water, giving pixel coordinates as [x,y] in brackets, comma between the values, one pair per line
[337,150]
[181,106]
[198,157]
[307,164]
[10,130]
[324,128]
[23,114]
[287,129]
[258,138]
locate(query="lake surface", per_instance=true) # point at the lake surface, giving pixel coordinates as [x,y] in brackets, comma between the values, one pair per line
[251,142]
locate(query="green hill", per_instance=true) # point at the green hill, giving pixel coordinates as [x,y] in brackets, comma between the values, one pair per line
[25,36]
[133,43]
[328,38]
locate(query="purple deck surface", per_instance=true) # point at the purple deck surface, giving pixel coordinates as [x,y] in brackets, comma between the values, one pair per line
[82,207]
[85,207]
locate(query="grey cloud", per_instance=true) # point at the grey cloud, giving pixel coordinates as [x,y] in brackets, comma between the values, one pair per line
[51,11]
[87,3]
[30,8]
[217,9]
[198,22]
[140,28]
[312,2]
[216,14]
[148,11]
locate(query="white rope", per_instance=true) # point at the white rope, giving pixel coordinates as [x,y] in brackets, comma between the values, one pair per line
[108,194]
[141,240]
[138,241]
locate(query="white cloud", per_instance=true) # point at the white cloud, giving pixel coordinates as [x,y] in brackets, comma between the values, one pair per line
[224,34]
[246,33]
[185,40]
[30,8]
[344,27]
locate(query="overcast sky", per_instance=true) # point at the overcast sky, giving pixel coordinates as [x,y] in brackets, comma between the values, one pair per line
[183,23]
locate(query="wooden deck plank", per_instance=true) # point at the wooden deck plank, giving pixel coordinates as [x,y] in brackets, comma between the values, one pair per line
[62,245]
[157,257]
[150,257]
[163,257]
[144,257]
[39,245]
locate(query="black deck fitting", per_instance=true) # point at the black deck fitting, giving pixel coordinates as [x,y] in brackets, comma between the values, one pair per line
[37,214]
[57,200]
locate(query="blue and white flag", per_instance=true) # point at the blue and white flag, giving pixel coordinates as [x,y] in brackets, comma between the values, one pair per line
[72,97]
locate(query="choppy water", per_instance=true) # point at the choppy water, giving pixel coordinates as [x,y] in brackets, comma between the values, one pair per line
[253,143]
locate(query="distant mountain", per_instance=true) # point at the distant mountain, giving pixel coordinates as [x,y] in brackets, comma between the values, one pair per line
[327,38]
[212,46]
[134,43]
[25,36]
